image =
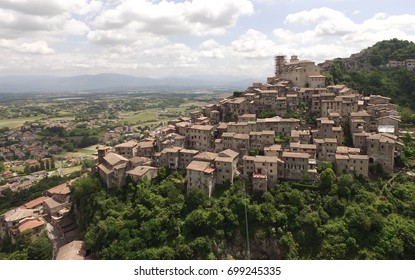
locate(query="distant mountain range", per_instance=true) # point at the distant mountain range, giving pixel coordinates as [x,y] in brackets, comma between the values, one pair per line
[117,82]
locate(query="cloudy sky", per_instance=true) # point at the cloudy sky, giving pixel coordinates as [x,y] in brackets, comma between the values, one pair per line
[155,38]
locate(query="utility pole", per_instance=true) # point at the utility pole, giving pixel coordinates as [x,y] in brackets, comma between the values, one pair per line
[246,224]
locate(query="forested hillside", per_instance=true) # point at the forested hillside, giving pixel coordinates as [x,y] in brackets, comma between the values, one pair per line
[384,51]
[367,73]
[341,218]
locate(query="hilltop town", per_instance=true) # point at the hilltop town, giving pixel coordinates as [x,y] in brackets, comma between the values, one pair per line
[229,139]
[282,130]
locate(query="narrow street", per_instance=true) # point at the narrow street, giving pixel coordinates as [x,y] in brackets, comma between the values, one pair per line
[56,238]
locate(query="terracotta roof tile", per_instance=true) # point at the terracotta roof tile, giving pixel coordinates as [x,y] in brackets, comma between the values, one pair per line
[198,165]
[31,224]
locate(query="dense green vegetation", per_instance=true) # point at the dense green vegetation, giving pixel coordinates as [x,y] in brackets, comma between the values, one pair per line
[394,49]
[339,218]
[79,137]
[398,83]
[265,114]
[28,247]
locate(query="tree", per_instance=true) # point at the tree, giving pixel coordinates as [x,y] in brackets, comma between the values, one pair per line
[266,114]
[282,139]
[325,165]
[348,138]
[296,199]
[27,169]
[163,172]
[327,179]
[88,163]
[2,167]
[69,147]
[195,199]
[290,246]
[237,93]
[255,152]
[42,165]
[41,248]
[345,182]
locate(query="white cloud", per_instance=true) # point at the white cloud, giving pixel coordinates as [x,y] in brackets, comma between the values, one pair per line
[179,37]
[37,47]
[75,27]
[212,49]
[51,8]
[15,24]
[254,44]
[328,21]
[33,7]
[110,37]
[196,17]
[328,33]
[90,8]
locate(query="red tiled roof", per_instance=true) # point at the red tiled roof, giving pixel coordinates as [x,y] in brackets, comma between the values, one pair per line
[31,224]
[62,188]
[35,202]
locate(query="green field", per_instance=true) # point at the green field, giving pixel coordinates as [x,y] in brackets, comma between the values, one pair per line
[85,152]
[155,115]
[70,170]
[15,123]
[144,117]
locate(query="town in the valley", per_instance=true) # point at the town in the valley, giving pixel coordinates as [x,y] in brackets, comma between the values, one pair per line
[283,129]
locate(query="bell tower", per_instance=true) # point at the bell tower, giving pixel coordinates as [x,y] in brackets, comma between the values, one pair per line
[279,65]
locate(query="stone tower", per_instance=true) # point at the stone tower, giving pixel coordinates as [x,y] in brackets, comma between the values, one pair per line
[279,65]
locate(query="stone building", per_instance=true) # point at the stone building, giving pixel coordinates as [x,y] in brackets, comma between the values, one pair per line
[127,149]
[296,165]
[112,170]
[302,73]
[382,148]
[140,172]
[201,175]
[326,149]
[262,171]
[200,137]
[226,166]
[352,163]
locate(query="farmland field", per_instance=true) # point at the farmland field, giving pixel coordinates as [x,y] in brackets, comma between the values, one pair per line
[85,152]
[156,115]
[14,123]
